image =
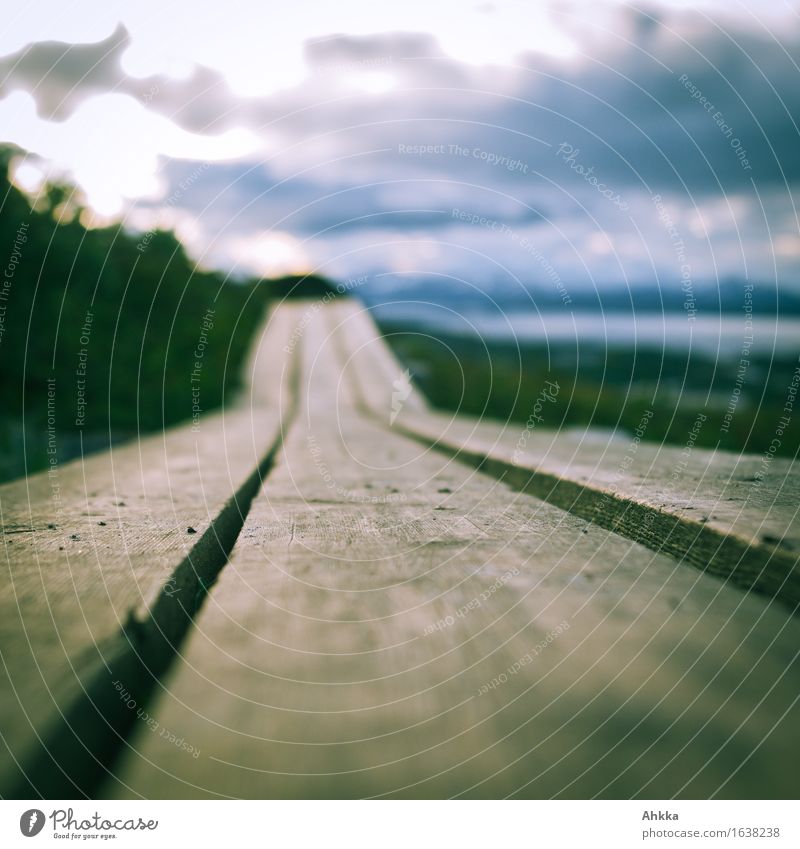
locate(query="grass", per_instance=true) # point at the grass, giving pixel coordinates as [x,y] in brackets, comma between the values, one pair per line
[608,389]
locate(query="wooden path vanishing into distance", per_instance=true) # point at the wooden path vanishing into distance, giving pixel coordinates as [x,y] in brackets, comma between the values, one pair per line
[381,600]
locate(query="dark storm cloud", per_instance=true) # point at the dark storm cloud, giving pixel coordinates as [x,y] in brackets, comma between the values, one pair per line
[670,113]
[697,110]
[705,114]
[658,107]
[258,200]
[686,110]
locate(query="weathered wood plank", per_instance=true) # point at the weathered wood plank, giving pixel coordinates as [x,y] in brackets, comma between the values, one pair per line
[733,515]
[89,546]
[393,622]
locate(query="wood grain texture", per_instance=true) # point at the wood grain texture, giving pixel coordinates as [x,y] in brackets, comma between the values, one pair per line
[735,516]
[89,545]
[394,622]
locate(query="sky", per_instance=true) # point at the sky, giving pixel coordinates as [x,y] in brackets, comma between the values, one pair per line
[490,146]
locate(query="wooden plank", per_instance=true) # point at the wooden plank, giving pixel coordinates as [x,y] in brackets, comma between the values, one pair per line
[735,516]
[393,622]
[89,545]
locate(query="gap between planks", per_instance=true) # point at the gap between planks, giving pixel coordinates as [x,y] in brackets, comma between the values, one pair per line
[746,563]
[85,740]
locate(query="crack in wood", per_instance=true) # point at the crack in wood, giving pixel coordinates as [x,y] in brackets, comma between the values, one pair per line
[84,742]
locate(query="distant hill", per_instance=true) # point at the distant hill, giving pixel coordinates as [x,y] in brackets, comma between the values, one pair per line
[706,297]
[307,286]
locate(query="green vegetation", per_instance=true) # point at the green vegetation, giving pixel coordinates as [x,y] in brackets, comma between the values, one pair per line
[608,389]
[99,329]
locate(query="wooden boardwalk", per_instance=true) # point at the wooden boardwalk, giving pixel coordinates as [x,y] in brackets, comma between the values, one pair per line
[378,600]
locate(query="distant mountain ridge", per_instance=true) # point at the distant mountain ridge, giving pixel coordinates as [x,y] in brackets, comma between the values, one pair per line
[730,296]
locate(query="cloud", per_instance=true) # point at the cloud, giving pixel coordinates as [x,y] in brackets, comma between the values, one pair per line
[374,136]
[61,76]
[110,146]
